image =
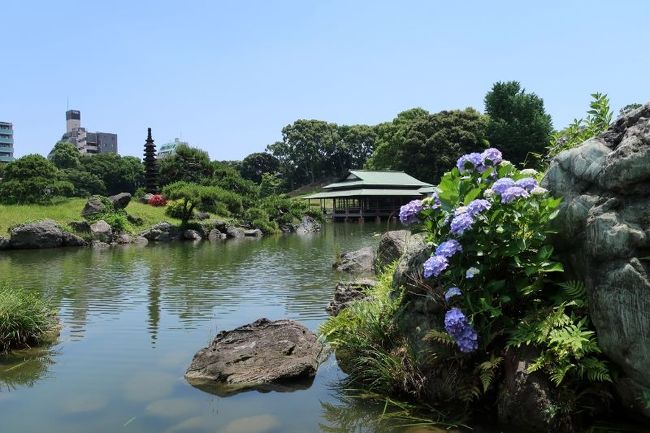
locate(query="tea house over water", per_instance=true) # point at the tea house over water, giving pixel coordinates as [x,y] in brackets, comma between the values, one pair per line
[367,194]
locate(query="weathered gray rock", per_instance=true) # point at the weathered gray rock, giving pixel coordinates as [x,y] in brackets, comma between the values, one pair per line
[346,293]
[216,235]
[408,273]
[140,241]
[162,232]
[307,225]
[604,236]
[358,262]
[123,239]
[145,198]
[72,240]
[101,231]
[192,235]
[80,226]
[257,356]
[121,200]
[202,216]
[4,243]
[253,233]
[135,220]
[96,205]
[43,234]
[99,245]
[525,400]
[235,232]
[391,247]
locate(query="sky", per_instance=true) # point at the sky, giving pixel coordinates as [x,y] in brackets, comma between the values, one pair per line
[228,76]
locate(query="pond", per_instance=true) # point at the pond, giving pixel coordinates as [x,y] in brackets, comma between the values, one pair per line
[133,317]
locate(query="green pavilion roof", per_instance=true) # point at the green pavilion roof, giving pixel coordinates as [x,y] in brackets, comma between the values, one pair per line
[368,178]
[366,193]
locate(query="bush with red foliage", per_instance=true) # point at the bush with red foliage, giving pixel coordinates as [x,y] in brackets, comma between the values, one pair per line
[157,200]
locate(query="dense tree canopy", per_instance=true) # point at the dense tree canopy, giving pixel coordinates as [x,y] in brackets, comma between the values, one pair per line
[119,173]
[32,179]
[188,164]
[519,125]
[256,164]
[65,155]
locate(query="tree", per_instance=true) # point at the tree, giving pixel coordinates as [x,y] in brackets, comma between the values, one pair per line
[356,144]
[119,174]
[188,164]
[65,155]
[85,183]
[270,184]
[32,179]
[256,164]
[191,196]
[518,125]
[629,107]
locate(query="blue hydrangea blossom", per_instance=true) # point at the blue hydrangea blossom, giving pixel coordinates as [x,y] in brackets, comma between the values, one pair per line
[502,184]
[408,214]
[457,325]
[434,266]
[451,292]
[461,223]
[477,206]
[527,183]
[513,193]
[469,274]
[449,248]
[492,156]
[471,161]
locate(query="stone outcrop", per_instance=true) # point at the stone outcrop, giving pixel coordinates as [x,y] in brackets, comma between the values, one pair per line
[346,293]
[96,205]
[121,200]
[306,225]
[4,243]
[216,235]
[357,262]
[235,232]
[43,234]
[101,231]
[604,236]
[260,355]
[253,233]
[162,232]
[192,235]
[72,240]
[391,247]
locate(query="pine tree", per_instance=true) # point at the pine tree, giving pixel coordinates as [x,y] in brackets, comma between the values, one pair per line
[150,165]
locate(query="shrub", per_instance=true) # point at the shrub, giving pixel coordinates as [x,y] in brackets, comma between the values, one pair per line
[25,318]
[191,196]
[157,200]
[176,209]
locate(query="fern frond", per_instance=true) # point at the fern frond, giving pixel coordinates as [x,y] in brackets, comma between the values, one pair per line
[487,369]
[440,337]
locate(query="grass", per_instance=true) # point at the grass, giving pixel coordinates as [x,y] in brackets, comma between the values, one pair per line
[26,319]
[68,210]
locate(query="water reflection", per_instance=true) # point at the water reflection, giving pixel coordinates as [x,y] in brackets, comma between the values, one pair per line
[23,368]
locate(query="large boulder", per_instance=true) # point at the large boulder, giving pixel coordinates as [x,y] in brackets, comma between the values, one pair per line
[604,237]
[260,355]
[357,262]
[253,233]
[216,235]
[101,231]
[192,235]
[162,232]
[43,234]
[96,205]
[307,225]
[121,200]
[4,243]
[347,293]
[235,232]
[391,247]
[72,240]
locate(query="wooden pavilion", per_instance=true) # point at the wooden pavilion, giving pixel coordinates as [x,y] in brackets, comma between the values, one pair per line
[367,194]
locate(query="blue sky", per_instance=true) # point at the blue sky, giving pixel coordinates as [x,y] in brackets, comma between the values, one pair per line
[227,76]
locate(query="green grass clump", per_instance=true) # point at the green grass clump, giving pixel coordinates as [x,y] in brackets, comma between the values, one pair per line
[26,319]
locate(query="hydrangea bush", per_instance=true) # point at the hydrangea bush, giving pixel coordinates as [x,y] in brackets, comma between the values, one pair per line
[487,223]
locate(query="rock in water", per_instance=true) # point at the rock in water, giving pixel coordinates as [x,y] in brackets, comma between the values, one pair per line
[604,238]
[101,231]
[358,262]
[263,355]
[43,234]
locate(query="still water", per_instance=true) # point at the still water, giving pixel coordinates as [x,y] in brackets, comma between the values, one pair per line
[132,318]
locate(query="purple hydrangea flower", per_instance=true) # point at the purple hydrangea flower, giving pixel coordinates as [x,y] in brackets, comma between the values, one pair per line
[469,274]
[527,183]
[449,248]
[408,214]
[477,206]
[457,325]
[451,292]
[513,193]
[475,159]
[434,266]
[460,223]
[502,184]
[492,155]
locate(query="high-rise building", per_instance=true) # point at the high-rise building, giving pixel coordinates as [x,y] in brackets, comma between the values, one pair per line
[6,142]
[87,142]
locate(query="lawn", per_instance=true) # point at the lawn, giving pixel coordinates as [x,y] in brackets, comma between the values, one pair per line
[69,210]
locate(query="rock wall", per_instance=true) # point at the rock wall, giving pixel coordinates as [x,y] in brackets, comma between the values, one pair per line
[604,236]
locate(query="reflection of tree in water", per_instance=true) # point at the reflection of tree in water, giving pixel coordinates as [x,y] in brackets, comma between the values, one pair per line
[361,413]
[23,368]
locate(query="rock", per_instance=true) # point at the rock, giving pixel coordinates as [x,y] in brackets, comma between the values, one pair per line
[526,400]
[604,238]
[80,226]
[99,245]
[202,216]
[140,241]
[307,225]
[255,233]
[359,261]
[101,231]
[235,232]
[192,235]
[145,198]
[96,205]
[346,293]
[43,234]
[72,240]
[162,232]
[216,235]
[135,220]
[4,243]
[409,267]
[123,239]
[121,200]
[391,247]
[260,355]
